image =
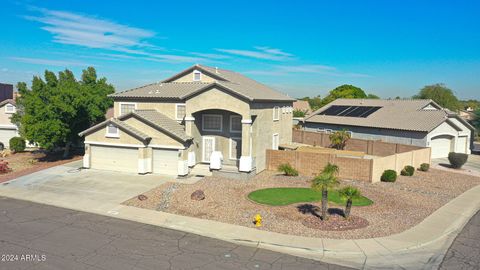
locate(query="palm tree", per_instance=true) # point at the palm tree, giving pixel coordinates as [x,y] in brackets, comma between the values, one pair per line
[339,139]
[323,182]
[350,193]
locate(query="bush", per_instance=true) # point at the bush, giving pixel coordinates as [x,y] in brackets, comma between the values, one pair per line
[389,176]
[424,167]
[17,144]
[408,171]
[457,159]
[4,168]
[288,170]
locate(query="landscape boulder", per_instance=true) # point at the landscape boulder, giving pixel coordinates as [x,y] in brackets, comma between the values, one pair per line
[198,195]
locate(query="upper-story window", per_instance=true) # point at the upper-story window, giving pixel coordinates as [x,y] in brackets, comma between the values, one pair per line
[180,111]
[276,113]
[127,107]
[212,122]
[197,76]
[9,108]
[235,123]
[112,131]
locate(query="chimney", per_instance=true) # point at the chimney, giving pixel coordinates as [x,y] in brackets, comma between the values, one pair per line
[6,91]
[216,70]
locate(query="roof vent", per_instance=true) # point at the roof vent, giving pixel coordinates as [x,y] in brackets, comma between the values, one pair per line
[216,70]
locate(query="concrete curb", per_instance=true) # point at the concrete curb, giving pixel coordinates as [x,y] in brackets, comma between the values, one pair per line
[420,247]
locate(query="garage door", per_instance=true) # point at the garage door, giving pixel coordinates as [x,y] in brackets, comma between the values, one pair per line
[165,161]
[441,146]
[462,144]
[111,158]
[6,135]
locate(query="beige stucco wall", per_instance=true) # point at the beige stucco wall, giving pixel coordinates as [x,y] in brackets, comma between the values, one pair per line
[5,117]
[158,138]
[217,99]
[264,127]
[164,107]
[189,78]
[99,136]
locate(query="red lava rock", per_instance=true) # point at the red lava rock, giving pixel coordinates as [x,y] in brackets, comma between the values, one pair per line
[198,195]
[142,197]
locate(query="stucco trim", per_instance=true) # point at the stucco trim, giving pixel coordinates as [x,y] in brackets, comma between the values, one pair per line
[115,144]
[191,69]
[163,146]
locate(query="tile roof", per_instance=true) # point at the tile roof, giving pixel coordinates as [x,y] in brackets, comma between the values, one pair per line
[122,125]
[160,121]
[233,81]
[393,114]
[11,101]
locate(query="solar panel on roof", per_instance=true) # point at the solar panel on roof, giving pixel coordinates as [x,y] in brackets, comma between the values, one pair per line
[350,111]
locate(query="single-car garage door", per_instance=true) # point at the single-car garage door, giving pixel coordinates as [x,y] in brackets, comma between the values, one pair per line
[112,158]
[441,146]
[6,135]
[165,161]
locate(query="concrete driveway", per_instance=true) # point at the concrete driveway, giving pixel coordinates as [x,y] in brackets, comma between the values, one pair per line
[471,167]
[68,183]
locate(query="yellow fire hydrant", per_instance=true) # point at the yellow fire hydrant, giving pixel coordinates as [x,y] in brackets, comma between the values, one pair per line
[258,220]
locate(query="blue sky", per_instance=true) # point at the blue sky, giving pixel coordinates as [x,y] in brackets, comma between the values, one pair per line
[302,48]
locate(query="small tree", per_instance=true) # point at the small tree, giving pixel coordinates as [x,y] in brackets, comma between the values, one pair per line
[288,169]
[350,193]
[339,139]
[299,113]
[17,144]
[325,181]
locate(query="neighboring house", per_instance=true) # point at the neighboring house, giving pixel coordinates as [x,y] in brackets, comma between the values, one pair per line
[7,128]
[414,122]
[302,105]
[468,115]
[170,126]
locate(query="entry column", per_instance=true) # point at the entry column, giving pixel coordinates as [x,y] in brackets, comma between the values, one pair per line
[189,122]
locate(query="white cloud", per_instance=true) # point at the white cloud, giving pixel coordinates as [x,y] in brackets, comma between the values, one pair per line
[265,53]
[49,62]
[211,55]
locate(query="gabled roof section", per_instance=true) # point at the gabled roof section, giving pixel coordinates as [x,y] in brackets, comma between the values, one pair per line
[401,114]
[160,122]
[230,80]
[122,126]
[8,101]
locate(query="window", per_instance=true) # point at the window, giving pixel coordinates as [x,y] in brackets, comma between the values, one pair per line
[276,113]
[235,123]
[9,108]
[197,76]
[127,108]
[235,148]
[212,122]
[180,111]
[112,131]
[275,141]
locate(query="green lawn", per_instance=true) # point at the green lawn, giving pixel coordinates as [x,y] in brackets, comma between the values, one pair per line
[286,196]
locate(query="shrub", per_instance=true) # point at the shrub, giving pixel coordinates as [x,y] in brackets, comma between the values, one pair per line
[457,159]
[288,170]
[424,167]
[389,176]
[17,144]
[4,168]
[408,171]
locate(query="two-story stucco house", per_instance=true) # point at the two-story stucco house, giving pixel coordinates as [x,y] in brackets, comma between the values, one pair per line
[171,126]
[7,128]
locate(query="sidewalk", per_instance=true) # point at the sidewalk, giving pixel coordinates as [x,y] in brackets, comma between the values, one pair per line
[421,247]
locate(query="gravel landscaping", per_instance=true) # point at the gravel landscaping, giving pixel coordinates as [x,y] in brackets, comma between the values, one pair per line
[397,206]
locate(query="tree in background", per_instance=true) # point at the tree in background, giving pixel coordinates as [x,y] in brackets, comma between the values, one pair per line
[299,113]
[471,103]
[56,109]
[476,120]
[315,102]
[373,96]
[344,91]
[339,139]
[441,95]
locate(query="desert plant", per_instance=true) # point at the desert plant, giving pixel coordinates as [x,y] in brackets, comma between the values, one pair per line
[408,171]
[325,181]
[389,176]
[299,113]
[349,193]
[424,167]
[339,139]
[457,160]
[4,168]
[287,169]
[17,144]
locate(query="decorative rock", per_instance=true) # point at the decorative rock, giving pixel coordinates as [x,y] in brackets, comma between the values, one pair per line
[142,197]
[198,195]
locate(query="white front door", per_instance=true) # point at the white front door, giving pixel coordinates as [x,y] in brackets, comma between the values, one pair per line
[208,146]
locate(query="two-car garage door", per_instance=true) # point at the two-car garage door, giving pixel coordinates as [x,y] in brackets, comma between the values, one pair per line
[126,159]
[122,159]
